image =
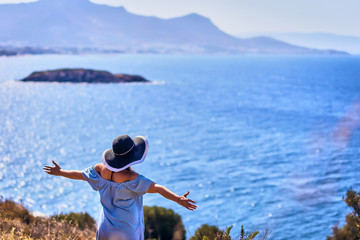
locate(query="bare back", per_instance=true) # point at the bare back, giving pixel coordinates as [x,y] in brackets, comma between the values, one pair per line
[118,177]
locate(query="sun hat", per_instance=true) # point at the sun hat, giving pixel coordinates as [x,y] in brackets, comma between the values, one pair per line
[125,152]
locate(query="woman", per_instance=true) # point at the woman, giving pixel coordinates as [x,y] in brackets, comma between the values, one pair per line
[121,189]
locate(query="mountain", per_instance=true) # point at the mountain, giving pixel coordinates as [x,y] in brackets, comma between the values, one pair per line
[82,24]
[319,40]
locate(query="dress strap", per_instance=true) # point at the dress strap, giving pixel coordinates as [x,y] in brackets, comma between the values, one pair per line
[111,175]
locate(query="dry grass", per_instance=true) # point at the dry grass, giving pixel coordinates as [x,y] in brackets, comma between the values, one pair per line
[16,222]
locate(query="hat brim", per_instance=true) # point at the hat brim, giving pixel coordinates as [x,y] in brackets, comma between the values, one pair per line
[118,163]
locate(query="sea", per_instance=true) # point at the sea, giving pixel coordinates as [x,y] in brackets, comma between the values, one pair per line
[263,141]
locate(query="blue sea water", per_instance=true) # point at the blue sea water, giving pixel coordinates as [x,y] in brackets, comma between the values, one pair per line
[263,141]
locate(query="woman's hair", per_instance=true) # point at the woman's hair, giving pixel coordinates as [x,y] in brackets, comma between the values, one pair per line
[128,169]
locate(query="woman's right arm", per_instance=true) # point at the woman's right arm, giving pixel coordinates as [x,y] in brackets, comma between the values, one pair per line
[57,171]
[182,200]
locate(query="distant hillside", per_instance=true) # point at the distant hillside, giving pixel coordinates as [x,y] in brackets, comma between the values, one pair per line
[82,24]
[346,43]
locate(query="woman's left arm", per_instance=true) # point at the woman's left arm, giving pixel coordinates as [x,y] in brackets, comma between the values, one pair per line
[57,171]
[182,200]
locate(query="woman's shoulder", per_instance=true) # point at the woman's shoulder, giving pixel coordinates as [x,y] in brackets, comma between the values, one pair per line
[98,167]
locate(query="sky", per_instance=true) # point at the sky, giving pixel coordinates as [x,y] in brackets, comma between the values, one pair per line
[237,17]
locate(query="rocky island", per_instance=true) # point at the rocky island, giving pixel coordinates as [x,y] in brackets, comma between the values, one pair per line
[80,75]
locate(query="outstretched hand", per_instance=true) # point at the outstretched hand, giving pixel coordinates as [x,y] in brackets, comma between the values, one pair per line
[52,170]
[187,203]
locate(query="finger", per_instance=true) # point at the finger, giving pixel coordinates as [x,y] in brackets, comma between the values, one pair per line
[191,201]
[56,165]
[185,195]
[191,209]
[192,206]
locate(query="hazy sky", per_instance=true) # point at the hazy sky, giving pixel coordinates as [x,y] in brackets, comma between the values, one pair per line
[244,16]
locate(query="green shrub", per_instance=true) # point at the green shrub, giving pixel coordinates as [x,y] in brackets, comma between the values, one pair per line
[351,230]
[206,232]
[162,223]
[250,236]
[81,220]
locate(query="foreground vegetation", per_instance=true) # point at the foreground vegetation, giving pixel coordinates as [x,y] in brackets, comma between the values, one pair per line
[16,222]
[160,223]
[351,230]
[206,232]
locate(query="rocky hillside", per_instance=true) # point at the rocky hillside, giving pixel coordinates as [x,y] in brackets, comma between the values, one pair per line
[82,76]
